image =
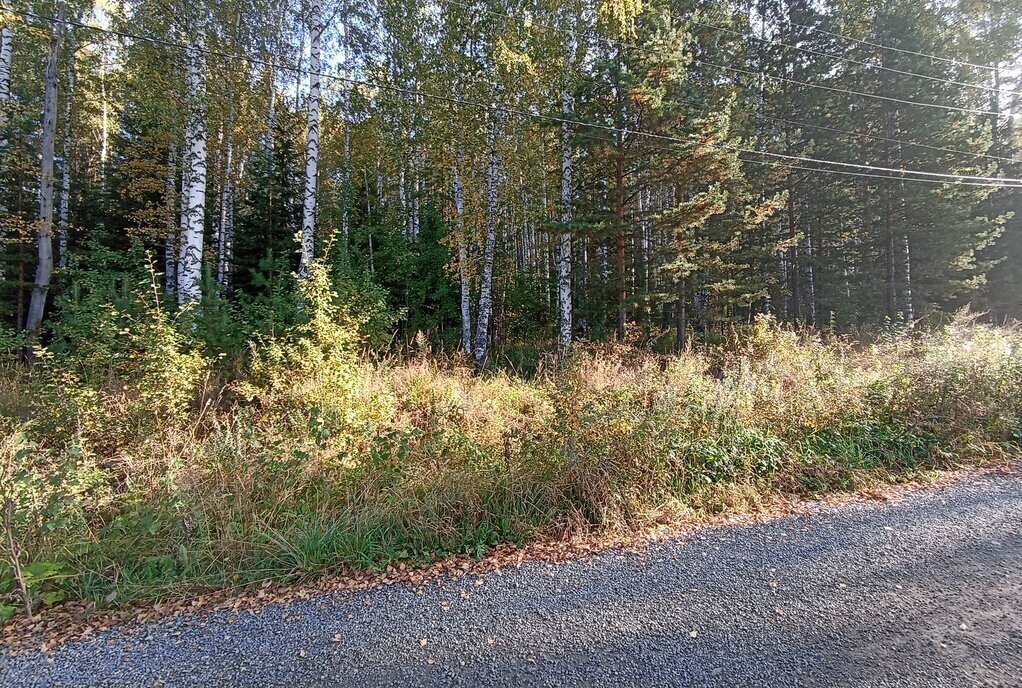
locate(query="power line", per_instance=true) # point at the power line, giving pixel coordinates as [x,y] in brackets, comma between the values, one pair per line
[892,48]
[806,124]
[853,61]
[789,166]
[764,75]
[898,173]
[902,142]
[799,123]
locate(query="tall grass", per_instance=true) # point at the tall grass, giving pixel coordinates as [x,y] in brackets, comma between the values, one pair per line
[156,479]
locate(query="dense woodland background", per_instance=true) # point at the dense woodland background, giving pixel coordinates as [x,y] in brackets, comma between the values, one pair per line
[255,254]
[513,174]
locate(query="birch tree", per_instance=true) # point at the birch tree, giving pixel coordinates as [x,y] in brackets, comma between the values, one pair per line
[312,144]
[193,191]
[44,233]
[6,55]
[463,277]
[482,342]
[564,241]
[63,207]
[225,225]
[170,240]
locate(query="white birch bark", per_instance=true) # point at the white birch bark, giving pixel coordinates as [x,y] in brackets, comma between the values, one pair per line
[225,237]
[482,342]
[105,119]
[312,144]
[6,55]
[65,163]
[466,296]
[346,122]
[189,267]
[44,267]
[564,242]
[170,242]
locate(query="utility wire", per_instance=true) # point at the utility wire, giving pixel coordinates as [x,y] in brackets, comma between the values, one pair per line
[805,124]
[799,123]
[892,48]
[898,173]
[764,75]
[850,60]
[790,166]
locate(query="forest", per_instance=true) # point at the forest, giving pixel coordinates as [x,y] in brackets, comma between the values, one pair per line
[293,286]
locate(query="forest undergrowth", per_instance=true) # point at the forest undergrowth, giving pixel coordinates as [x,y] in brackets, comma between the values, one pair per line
[140,463]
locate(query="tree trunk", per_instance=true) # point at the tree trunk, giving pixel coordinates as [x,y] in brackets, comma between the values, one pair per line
[466,296]
[6,55]
[225,237]
[312,145]
[892,288]
[189,266]
[44,266]
[170,243]
[268,144]
[793,258]
[619,206]
[564,248]
[906,295]
[682,315]
[482,342]
[346,122]
[65,163]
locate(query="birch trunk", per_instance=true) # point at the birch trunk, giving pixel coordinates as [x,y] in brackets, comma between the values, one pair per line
[65,164]
[682,316]
[225,236]
[482,342]
[564,243]
[44,267]
[312,145]
[346,122]
[466,296]
[906,269]
[268,142]
[6,55]
[189,267]
[170,243]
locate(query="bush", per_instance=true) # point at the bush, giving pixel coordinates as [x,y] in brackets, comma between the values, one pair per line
[314,457]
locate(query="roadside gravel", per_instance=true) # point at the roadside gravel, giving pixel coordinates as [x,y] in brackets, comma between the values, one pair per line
[924,591]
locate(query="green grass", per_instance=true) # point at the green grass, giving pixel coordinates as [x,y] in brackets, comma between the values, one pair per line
[314,460]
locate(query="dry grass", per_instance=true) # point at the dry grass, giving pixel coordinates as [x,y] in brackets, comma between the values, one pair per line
[295,469]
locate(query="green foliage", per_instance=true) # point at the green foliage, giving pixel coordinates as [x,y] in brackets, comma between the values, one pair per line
[119,365]
[311,457]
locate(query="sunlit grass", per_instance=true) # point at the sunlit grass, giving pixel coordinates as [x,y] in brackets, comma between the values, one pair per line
[292,471]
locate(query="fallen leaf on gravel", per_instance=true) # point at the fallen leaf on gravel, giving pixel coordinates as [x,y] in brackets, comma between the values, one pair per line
[431,661]
[693,634]
[423,642]
[779,612]
[963,627]
[489,641]
[842,585]
[301,653]
[337,638]
[772,584]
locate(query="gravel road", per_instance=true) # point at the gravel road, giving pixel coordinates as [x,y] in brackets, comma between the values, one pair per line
[924,591]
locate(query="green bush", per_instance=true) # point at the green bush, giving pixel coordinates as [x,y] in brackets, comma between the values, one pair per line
[182,471]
